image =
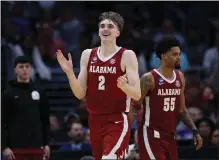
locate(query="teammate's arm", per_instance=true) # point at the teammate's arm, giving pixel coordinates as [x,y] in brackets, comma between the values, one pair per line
[132,87]
[186,118]
[146,84]
[78,86]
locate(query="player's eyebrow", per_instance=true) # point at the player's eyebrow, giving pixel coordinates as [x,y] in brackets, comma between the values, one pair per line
[177,52]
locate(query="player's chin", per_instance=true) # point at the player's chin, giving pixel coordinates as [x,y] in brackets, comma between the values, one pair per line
[25,76]
[106,38]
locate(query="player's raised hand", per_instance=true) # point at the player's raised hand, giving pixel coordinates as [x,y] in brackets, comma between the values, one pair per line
[8,154]
[122,81]
[66,65]
[197,140]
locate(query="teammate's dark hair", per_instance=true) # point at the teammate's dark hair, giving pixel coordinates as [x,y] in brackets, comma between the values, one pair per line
[115,17]
[165,44]
[21,59]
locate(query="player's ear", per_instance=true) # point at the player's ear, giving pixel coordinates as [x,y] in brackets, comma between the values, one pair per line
[162,56]
[99,33]
[118,34]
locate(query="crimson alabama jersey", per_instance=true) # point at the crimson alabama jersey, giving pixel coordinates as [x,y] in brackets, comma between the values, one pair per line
[162,104]
[103,96]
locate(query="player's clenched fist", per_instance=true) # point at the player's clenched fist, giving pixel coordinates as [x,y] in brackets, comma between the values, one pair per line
[65,64]
[122,81]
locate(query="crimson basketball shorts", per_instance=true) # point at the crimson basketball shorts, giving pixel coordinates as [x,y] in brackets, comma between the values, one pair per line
[28,154]
[153,145]
[109,135]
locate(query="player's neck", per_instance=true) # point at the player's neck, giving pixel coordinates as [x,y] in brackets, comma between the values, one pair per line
[166,72]
[20,80]
[108,48]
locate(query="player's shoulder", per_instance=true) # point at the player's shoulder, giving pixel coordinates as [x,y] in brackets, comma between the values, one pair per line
[180,74]
[148,75]
[87,52]
[129,52]
[129,55]
[149,79]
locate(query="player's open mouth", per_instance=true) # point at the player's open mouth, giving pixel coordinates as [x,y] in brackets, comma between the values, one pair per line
[106,35]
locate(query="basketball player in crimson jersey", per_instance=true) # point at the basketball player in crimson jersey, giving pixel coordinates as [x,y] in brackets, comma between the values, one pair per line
[162,98]
[102,81]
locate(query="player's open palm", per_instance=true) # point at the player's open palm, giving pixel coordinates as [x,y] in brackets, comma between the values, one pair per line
[8,154]
[66,65]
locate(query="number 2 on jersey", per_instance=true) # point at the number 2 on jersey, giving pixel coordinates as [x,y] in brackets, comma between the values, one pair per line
[169,104]
[101,85]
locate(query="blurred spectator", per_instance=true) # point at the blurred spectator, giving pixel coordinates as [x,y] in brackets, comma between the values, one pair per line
[54,124]
[77,139]
[134,146]
[48,43]
[71,117]
[205,127]
[192,91]
[146,46]
[70,29]
[211,55]
[209,102]
[57,133]
[87,158]
[196,46]
[168,29]
[215,138]
[81,110]
[211,62]
[28,48]
[47,5]
[87,137]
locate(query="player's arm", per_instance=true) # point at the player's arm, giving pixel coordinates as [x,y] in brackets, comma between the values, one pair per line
[146,84]
[79,85]
[132,87]
[185,116]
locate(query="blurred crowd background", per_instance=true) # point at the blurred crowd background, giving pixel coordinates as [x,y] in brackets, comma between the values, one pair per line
[37,29]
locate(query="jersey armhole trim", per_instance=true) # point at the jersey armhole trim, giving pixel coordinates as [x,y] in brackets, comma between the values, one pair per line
[92,51]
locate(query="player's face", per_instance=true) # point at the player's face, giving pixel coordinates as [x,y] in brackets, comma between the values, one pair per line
[23,70]
[108,31]
[172,57]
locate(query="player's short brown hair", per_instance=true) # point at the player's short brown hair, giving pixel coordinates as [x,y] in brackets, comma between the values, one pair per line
[115,17]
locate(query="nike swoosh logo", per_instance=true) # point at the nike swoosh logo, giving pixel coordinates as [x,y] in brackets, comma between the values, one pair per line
[117,122]
[93,62]
[161,83]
